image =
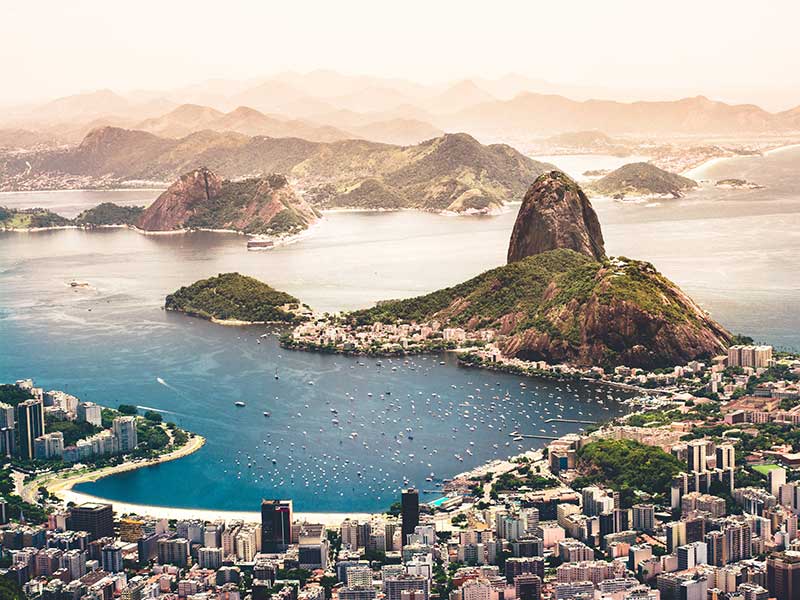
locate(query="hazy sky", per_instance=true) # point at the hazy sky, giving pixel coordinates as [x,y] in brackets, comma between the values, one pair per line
[740,50]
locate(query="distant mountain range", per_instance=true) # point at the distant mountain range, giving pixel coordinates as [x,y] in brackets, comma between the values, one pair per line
[327,106]
[453,172]
[538,114]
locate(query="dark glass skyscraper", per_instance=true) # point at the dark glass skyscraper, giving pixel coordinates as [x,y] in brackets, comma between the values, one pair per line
[409,512]
[276,525]
[30,425]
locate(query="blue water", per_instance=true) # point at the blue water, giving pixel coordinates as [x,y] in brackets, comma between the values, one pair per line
[206,368]
[736,252]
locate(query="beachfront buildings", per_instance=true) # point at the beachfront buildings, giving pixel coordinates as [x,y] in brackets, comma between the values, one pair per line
[276,525]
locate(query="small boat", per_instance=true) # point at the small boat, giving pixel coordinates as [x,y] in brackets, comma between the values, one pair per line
[267,413]
[256,244]
[239,403]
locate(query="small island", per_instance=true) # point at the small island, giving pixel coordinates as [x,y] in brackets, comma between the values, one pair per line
[14,219]
[737,184]
[234,299]
[641,180]
[106,214]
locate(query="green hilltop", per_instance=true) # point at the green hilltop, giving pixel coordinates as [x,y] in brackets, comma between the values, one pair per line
[562,305]
[231,296]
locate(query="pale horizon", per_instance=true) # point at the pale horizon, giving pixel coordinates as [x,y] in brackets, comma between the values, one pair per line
[733,53]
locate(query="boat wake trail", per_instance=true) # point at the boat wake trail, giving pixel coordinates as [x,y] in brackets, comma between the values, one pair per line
[158,410]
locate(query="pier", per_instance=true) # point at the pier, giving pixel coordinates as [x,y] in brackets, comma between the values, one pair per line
[534,436]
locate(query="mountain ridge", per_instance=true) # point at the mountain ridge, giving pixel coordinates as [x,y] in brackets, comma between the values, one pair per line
[452,172]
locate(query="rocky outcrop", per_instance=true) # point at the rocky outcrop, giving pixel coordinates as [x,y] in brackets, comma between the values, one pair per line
[174,207]
[555,213]
[201,199]
[631,316]
[561,306]
[560,299]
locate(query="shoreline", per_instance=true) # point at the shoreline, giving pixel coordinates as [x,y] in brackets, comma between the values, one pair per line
[60,484]
[206,514]
[67,494]
[717,159]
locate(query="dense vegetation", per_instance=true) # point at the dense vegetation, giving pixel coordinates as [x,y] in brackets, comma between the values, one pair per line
[16,505]
[627,466]
[249,195]
[11,394]
[30,218]
[9,590]
[560,294]
[522,477]
[109,213]
[519,286]
[72,430]
[231,296]
[106,213]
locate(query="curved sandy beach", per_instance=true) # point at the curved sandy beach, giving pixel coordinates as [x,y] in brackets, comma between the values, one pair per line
[60,484]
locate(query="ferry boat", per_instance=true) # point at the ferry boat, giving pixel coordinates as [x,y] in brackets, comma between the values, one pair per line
[257,244]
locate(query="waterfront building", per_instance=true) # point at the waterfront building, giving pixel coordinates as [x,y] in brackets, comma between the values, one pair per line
[349,533]
[49,446]
[89,412]
[95,518]
[124,429]
[276,525]
[409,512]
